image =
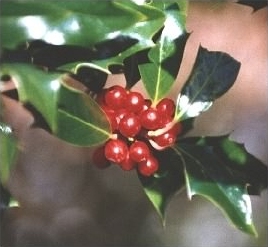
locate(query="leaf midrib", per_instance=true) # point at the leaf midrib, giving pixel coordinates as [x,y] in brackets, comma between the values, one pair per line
[95,127]
[221,189]
[200,89]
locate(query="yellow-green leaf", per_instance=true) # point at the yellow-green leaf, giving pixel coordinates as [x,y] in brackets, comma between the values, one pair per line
[159,74]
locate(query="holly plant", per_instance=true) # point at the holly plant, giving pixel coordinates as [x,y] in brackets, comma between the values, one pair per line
[45,44]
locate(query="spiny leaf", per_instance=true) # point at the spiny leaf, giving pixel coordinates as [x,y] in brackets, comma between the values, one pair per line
[8,151]
[94,79]
[255,4]
[208,175]
[67,22]
[213,74]
[71,114]
[161,187]
[165,57]
[131,67]
[81,23]
[246,168]
[151,20]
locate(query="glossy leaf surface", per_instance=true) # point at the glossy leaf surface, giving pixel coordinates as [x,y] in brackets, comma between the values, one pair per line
[165,57]
[8,151]
[208,175]
[71,115]
[161,187]
[213,74]
[150,22]
[245,167]
[80,23]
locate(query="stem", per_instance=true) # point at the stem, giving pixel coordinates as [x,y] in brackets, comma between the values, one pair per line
[163,130]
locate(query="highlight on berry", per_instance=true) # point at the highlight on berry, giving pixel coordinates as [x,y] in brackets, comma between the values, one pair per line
[139,130]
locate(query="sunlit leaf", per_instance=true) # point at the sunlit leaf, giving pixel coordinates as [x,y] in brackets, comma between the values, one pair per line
[246,168]
[213,74]
[81,23]
[161,187]
[8,151]
[150,22]
[207,175]
[71,114]
[160,73]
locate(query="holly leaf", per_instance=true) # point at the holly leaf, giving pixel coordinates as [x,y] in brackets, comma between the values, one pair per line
[70,114]
[5,198]
[213,74]
[67,22]
[81,23]
[93,78]
[8,151]
[161,187]
[165,57]
[208,174]
[246,168]
[255,4]
[131,67]
[142,32]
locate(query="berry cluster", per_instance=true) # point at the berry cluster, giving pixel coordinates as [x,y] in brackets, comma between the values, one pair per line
[137,124]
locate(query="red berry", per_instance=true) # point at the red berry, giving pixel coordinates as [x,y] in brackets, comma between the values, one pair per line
[150,119]
[100,97]
[177,128]
[116,150]
[165,120]
[139,151]
[168,138]
[128,164]
[110,115]
[129,125]
[146,104]
[112,120]
[98,158]
[149,166]
[107,109]
[120,114]
[166,106]
[134,102]
[115,97]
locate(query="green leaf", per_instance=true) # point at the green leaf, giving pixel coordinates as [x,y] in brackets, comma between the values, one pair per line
[71,114]
[80,23]
[208,175]
[80,120]
[246,168]
[142,31]
[213,74]
[165,57]
[161,187]
[8,151]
